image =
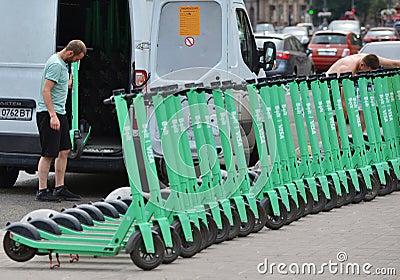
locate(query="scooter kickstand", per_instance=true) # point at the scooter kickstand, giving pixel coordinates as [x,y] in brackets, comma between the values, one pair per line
[72,259]
[51,261]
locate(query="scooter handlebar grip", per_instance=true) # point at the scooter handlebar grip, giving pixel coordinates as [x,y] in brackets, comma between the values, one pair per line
[108,101]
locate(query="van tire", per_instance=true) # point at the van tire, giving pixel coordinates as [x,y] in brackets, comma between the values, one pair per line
[8,176]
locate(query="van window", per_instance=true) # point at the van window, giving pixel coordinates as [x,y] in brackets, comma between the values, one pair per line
[23,47]
[247,42]
[178,50]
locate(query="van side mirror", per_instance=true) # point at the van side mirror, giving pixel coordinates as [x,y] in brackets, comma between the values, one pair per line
[267,56]
[308,52]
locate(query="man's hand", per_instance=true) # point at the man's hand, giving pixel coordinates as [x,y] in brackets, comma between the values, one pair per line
[54,122]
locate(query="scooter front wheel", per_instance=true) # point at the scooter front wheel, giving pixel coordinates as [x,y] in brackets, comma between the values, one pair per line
[273,221]
[247,227]
[212,231]
[235,228]
[376,185]
[262,218]
[144,260]
[171,253]
[17,251]
[223,233]
[189,248]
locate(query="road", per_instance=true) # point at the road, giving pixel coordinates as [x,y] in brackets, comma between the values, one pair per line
[365,235]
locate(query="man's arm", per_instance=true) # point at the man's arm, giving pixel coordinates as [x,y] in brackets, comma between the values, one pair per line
[388,63]
[46,92]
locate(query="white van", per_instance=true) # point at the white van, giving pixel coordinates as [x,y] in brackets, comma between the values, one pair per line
[201,42]
[33,30]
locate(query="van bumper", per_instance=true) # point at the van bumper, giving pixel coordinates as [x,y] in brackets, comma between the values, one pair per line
[23,152]
[84,164]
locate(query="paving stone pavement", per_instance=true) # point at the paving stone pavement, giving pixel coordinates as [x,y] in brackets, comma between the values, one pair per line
[364,235]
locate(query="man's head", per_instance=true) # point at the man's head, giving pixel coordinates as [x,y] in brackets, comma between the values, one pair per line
[75,51]
[369,62]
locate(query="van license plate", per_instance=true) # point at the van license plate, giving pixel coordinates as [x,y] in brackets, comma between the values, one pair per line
[19,114]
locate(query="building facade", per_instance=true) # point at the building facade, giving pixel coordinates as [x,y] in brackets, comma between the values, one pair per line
[278,12]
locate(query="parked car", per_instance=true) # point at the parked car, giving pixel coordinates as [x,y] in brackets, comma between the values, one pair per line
[291,56]
[377,34]
[310,27]
[265,28]
[300,33]
[397,26]
[388,49]
[345,25]
[329,46]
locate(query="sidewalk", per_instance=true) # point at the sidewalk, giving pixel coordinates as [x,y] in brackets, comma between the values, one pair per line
[366,236]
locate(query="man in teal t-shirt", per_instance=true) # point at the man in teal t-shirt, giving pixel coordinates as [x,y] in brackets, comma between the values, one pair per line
[52,121]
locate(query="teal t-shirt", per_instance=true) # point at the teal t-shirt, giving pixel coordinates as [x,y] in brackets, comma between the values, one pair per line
[55,70]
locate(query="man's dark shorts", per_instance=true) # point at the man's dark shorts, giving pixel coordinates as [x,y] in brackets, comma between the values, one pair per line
[53,141]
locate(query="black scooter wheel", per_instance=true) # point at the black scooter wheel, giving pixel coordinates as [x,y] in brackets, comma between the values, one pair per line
[332,202]
[212,231]
[396,185]
[262,218]
[189,248]
[292,213]
[235,228]
[144,260]
[319,205]
[376,184]
[301,208]
[360,194]
[247,227]
[388,187]
[341,199]
[274,222]
[351,194]
[204,235]
[17,251]
[310,201]
[171,253]
[223,233]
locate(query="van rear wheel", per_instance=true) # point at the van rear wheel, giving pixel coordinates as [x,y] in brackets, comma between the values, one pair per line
[8,176]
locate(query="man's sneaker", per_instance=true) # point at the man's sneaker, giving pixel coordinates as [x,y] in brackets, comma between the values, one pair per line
[46,195]
[62,192]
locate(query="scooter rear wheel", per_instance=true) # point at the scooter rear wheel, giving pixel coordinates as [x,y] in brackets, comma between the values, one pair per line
[17,251]
[144,260]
